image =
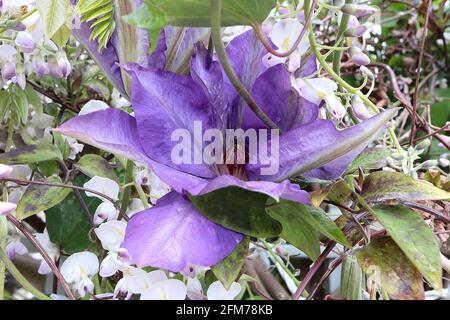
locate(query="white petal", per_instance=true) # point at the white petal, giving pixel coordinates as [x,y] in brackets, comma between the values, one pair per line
[44,268]
[217,291]
[105,211]
[7,52]
[105,186]
[111,234]
[110,265]
[335,107]
[135,206]
[194,289]
[171,289]
[285,33]
[80,265]
[315,90]
[93,106]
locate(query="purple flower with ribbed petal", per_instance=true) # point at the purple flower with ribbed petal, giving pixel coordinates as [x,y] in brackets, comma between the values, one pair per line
[173,234]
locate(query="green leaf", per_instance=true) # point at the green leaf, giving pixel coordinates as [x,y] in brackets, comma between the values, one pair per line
[94,165]
[61,36]
[43,151]
[239,210]
[101,14]
[153,15]
[382,185]
[196,13]
[439,111]
[352,279]
[297,230]
[384,262]
[53,14]
[39,198]
[66,223]
[229,269]
[370,159]
[300,223]
[415,238]
[34,99]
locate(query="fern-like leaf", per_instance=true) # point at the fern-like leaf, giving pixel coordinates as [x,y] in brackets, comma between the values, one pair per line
[101,15]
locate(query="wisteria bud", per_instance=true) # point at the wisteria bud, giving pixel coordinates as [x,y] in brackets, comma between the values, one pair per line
[429,164]
[444,162]
[283,11]
[7,208]
[424,144]
[335,107]
[359,108]
[5,171]
[64,64]
[355,29]
[358,10]
[20,79]
[8,71]
[366,72]
[359,57]
[25,42]
[54,68]
[40,66]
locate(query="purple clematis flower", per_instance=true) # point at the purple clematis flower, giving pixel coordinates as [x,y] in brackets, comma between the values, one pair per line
[173,234]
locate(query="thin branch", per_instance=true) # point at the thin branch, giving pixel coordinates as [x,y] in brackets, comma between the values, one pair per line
[44,255]
[419,69]
[429,210]
[313,271]
[58,185]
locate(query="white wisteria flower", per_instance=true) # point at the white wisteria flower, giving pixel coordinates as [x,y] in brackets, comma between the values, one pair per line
[321,89]
[15,247]
[105,211]
[170,289]
[49,247]
[217,291]
[137,281]
[111,235]
[78,270]
[93,106]
[194,289]
[104,186]
[284,34]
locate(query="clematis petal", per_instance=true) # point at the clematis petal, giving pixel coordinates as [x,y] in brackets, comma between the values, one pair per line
[180,46]
[274,94]
[173,234]
[319,143]
[132,43]
[284,190]
[108,59]
[208,74]
[115,131]
[164,102]
[247,54]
